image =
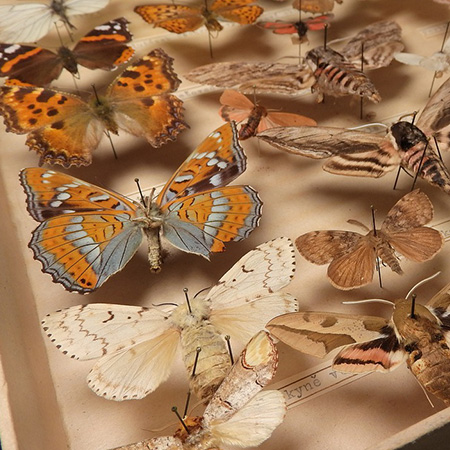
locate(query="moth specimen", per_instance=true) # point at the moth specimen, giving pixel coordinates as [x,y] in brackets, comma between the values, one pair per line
[355,153]
[136,346]
[238,413]
[420,336]
[376,45]
[237,107]
[352,256]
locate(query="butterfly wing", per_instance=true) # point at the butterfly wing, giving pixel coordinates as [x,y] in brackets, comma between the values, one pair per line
[314,6]
[350,152]
[200,215]
[105,46]
[159,443]
[284,119]
[319,22]
[79,7]
[86,233]
[61,127]
[239,11]
[276,78]
[235,106]
[261,415]
[279,27]
[247,296]
[435,117]
[174,18]
[29,65]
[404,227]
[142,100]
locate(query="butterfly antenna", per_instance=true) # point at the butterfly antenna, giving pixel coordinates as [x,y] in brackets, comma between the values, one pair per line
[186,290]
[361,100]
[188,399]
[442,49]
[425,280]
[420,166]
[175,410]
[230,351]
[136,180]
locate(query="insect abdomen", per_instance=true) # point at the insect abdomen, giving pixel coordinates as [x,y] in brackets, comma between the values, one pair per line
[213,361]
[248,129]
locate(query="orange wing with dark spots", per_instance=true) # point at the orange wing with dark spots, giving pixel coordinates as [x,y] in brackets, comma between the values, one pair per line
[239,11]
[64,129]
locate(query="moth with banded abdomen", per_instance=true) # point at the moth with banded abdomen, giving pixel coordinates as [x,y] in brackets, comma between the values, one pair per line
[420,336]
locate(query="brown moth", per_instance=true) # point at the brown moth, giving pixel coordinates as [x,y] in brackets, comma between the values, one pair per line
[315,6]
[238,414]
[337,76]
[357,153]
[259,77]
[374,344]
[352,256]
[381,40]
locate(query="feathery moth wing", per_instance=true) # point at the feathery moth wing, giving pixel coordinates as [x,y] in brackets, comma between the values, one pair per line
[350,152]
[237,107]
[136,345]
[259,77]
[352,256]
[381,41]
[238,413]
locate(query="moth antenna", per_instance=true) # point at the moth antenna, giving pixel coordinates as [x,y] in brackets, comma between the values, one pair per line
[413,306]
[165,304]
[197,354]
[202,290]
[425,393]
[136,180]
[369,300]
[358,224]
[230,351]
[185,290]
[175,410]
[425,280]
[383,125]
[420,165]
[361,99]
[441,50]
[188,399]
[437,147]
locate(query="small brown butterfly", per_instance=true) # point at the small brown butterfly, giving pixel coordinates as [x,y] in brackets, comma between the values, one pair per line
[237,107]
[352,256]
[378,43]
[416,334]
[315,6]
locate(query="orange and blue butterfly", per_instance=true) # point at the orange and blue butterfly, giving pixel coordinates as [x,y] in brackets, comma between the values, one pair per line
[88,233]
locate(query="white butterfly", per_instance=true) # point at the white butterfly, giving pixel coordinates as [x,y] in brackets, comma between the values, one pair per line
[238,413]
[28,22]
[437,62]
[136,345]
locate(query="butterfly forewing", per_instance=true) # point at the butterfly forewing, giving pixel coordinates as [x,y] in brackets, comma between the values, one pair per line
[240,11]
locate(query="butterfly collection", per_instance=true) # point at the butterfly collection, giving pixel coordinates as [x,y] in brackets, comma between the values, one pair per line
[163,336]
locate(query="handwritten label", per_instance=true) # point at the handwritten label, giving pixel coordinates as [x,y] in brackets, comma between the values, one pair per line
[313,383]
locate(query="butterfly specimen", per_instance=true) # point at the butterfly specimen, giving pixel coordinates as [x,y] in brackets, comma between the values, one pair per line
[352,256]
[376,44]
[356,153]
[182,18]
[28,22]
[65,129]
[136,346]
[250,78]
[102,48]
[237,107]
[300,28]
[336,76]
[315,6]
[88,233]
[416,334]
[239,414]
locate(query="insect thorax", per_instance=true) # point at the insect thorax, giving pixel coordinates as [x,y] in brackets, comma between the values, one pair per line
[212,24]
[406,135]
[68,60]
[103,110]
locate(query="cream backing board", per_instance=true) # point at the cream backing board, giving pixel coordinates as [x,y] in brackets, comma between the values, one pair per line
[45,401]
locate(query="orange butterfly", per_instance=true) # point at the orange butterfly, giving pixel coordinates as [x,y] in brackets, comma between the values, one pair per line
[64,129]
[238,107]
[87,233]
[181,18]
